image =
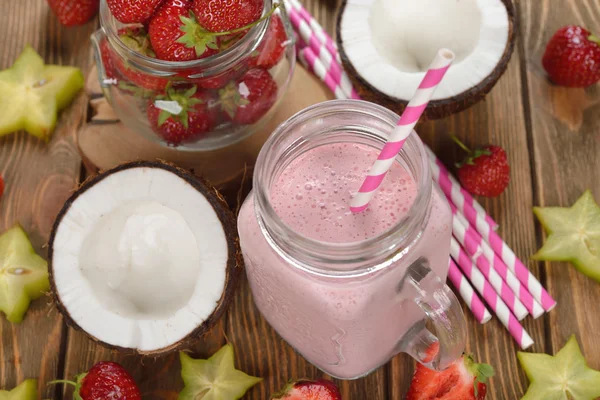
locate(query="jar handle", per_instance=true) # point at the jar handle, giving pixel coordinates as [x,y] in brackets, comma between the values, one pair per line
[441,307]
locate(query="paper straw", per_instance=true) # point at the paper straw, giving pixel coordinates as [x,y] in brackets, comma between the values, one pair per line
[317,29]
[454,194]
[463,199]
[332,66]
[490,296]
[460,282]
[310,61]
[408,120]
[481,248]
[482,264]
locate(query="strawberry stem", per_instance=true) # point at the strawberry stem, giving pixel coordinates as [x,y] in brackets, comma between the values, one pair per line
[595,39]
[460,144]
[62,381]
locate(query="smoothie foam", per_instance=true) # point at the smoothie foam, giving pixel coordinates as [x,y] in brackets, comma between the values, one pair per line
[312,195]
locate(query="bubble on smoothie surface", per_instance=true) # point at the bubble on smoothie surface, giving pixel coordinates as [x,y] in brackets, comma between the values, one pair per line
[320,209]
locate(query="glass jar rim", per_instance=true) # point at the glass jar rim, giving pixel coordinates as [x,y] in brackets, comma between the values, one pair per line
[368,255]
[209,65]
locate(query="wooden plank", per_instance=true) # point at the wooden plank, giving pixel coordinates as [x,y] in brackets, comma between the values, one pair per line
[566,143]
[39,177]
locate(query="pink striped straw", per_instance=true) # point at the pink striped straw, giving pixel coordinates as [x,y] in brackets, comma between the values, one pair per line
[333,68]
[480,247]
[408,120]
[482,264]
[490,296]
[480,312]
[311,62]
[317,29]
[454,191]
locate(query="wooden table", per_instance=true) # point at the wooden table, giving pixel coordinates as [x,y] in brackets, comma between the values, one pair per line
[552,136]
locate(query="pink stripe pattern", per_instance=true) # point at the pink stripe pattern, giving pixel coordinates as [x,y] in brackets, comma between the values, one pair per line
[482,249]
[407,122]
[490,296]
[481,263]
[480,312]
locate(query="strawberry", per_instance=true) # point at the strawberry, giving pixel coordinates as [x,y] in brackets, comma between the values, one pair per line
[463,380]
[227,15]
[572,57]
[105,381]
[197,116]
[485,172]
[1,186]
[133,11]
[176,36]
[249,98]
[137,40]
[272,48]
[74,12]
[309,390]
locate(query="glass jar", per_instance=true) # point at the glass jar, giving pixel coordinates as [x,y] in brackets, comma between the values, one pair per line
[349,307]
[133,82]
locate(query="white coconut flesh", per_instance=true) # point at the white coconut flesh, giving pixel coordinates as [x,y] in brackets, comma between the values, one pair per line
[392,42]
[139,259]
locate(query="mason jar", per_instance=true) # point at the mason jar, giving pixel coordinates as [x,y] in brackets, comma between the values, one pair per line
[349,306]
[134,82]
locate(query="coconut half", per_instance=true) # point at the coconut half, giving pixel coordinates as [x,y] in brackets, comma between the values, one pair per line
[144,257]
[387,45]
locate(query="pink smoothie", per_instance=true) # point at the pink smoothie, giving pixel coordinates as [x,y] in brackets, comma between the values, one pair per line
[345,326]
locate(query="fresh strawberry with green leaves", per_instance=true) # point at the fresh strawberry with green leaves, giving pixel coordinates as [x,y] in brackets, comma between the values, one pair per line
[137,39]
[484,172]
[172,31]
[272,48]
[176,34]
[179,116]
[321,389]
[104,381]
[248,99]
[463,380]
[108,59]
[74,12]
[133,11]
[227,15]
[572,57]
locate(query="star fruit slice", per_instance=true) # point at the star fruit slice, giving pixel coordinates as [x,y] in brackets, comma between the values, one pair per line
[573,235]
[27,390]
[215,378]
[31,94]
[23,274]
[564,376]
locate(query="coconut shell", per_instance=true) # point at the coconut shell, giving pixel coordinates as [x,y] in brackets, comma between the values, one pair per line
[233,271]
[437,108]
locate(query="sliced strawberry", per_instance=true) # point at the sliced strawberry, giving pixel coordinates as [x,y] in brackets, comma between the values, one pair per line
[226,15]
[249,98]
[273,46]
[309,390]
[197,116]
[133,11]
[176,36]
[463,380]
[137,39]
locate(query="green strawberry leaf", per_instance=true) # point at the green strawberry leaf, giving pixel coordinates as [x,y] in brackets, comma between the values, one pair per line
[560,377]
[215,378]
[573,235]
[163,116]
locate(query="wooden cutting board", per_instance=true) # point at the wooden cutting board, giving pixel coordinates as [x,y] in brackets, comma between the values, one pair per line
[105,142]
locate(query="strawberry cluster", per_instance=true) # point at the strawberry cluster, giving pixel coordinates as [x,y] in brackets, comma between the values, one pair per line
[187,30]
